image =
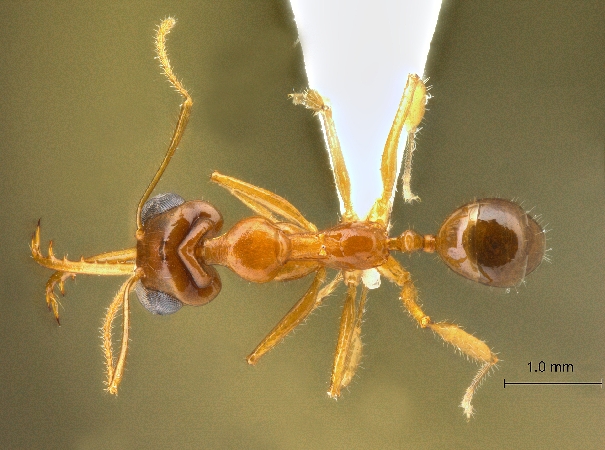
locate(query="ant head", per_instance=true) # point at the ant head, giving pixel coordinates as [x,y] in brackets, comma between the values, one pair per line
[167,282]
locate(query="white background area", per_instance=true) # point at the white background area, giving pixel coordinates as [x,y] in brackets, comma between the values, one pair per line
[358,54]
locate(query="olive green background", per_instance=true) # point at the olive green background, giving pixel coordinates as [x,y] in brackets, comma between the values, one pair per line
[518,112]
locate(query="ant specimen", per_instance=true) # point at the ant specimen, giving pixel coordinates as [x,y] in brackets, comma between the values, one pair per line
[490,241]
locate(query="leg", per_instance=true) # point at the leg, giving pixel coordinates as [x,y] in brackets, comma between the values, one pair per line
[312,100]
[311,300]
[349,346]
[450,333]
[406,179]
[114,373]
[160,48]
[409,115]
[263,202]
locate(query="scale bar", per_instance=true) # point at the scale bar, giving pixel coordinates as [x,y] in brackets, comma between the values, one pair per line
[598,383]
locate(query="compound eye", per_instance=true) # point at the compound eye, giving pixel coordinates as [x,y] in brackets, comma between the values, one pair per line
[157,302]
[160,204]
